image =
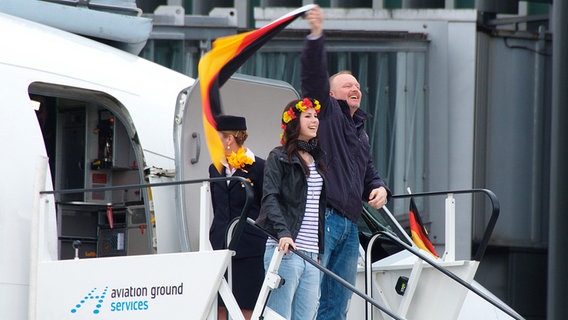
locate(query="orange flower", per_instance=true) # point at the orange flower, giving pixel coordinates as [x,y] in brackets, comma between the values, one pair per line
[288,116]
[239,159]
[317,106]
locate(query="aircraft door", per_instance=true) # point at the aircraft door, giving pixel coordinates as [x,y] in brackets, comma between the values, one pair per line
[259,100]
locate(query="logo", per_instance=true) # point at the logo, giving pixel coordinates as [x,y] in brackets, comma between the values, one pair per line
[124,299]
[92,302]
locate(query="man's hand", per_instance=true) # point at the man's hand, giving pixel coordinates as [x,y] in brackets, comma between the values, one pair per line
[378,198]
[315,19]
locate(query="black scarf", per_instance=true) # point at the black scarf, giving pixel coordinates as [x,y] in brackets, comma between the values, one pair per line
[311,147]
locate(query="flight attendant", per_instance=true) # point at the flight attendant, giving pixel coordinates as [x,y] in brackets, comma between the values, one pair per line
[228,198]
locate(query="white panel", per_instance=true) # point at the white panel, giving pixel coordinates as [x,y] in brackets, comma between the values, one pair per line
[167,286]
[167,231]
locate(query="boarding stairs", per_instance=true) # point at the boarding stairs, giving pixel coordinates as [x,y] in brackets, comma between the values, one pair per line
[424,278]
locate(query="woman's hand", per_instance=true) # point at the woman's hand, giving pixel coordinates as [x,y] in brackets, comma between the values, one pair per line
[285,243]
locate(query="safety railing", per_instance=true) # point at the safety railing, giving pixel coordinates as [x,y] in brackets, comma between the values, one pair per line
[239,226]
[495,209]
[244,212]
[430,261]
[385,235]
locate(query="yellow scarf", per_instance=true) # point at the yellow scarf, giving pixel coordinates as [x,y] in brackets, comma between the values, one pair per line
[239,159]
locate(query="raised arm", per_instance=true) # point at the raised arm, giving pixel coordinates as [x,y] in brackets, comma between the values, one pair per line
[315,19]
[314,74]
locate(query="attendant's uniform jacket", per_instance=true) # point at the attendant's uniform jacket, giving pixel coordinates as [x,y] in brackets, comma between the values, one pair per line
[228,201]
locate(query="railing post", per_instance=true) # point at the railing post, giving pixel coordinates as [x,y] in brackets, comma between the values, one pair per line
[369,280]
[369,276]
[271,281]
[37,221]
[230,232]
[204,216]
[450,252]
[411,286]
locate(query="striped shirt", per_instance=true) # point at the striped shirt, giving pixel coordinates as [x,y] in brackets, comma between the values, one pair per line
[307,238]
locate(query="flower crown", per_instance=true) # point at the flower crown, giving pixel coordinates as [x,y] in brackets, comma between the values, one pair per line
[301,106]
[295,110]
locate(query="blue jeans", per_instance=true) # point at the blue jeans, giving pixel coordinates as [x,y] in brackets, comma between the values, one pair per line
[341,251]
[297,298]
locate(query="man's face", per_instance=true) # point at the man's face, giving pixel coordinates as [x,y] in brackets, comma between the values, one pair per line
[346,87]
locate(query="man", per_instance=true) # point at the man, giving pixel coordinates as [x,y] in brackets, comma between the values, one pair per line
[351,174]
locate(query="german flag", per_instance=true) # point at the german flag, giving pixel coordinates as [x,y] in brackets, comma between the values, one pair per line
[216,67]
[418,232]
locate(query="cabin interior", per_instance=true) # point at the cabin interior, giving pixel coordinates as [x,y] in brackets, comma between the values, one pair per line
[89,147]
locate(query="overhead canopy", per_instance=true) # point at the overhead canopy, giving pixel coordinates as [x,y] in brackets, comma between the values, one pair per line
[115,22]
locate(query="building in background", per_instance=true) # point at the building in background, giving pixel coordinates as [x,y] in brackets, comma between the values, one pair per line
[462,94]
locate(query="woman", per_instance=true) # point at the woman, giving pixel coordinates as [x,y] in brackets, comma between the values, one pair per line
[292,209]
[228,198]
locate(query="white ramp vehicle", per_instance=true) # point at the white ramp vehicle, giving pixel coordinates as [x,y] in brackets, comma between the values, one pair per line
[104,205]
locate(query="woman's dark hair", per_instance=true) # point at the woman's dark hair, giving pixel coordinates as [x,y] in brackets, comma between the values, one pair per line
[290,139]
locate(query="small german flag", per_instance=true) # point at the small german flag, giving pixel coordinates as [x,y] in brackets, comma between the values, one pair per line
[216,67]
[418,232]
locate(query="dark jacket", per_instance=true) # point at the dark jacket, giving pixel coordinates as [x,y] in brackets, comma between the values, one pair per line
[351,174]
[228,201]
[284,197]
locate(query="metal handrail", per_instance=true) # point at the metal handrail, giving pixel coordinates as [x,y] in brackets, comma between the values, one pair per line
[480,251]
[448,273]
[337,278]
[143,185]
[478,256]
[240,227]
[492,220]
